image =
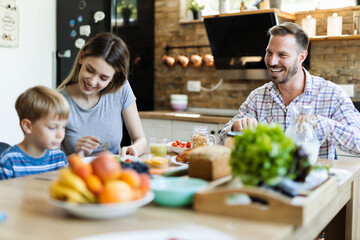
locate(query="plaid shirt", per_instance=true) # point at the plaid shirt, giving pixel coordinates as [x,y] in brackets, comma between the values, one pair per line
[338,122]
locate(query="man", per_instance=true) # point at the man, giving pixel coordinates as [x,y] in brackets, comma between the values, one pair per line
[335,118]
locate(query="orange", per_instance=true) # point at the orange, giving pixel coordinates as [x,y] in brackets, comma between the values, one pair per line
[94,184]
[75,160]
[131,177]
[116,191]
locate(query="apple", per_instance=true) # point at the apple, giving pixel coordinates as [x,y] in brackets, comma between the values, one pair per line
[106,167]
[144,183]
[83,170]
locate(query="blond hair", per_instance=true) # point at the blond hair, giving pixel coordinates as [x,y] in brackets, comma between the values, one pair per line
[110,48]
[39,101]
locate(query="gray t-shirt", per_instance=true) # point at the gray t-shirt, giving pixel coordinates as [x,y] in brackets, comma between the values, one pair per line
[104,120]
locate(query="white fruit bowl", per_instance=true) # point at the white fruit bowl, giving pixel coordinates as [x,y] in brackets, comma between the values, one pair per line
[102,211]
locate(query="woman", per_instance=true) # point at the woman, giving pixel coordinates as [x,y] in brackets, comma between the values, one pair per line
[101,98]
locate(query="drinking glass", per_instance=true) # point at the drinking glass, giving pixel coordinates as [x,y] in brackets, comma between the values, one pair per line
[158,146]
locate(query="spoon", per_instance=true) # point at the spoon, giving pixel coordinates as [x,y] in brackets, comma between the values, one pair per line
[105,146]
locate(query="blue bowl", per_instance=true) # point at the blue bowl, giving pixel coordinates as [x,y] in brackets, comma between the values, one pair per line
[176,191]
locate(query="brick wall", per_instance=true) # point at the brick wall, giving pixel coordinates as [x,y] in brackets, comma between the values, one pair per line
[338,61]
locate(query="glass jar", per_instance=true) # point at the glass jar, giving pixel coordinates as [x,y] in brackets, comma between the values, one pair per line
[301,130]
[201,137]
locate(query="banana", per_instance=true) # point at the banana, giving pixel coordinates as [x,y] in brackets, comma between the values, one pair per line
[62,192]
[70,179]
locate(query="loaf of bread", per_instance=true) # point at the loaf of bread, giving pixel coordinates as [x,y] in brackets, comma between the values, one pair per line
[209,162]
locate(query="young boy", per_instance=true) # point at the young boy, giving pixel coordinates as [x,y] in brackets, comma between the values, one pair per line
[43,115]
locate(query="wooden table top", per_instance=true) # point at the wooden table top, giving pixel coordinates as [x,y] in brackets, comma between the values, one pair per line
[31,216]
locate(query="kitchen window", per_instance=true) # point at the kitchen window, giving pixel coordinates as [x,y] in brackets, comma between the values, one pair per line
[124,12]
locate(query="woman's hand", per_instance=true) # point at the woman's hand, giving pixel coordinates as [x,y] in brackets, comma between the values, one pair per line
[86,145]
[130,150]
[241,124]
[135,130]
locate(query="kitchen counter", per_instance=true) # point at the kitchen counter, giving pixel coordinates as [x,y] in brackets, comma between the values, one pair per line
[185,116]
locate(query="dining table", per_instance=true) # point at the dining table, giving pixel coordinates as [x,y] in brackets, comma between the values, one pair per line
[30,215]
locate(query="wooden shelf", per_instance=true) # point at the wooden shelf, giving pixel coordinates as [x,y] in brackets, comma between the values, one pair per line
[280,14]
[191,21]
[335,38]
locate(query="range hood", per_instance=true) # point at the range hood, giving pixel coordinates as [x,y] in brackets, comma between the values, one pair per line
[238,42]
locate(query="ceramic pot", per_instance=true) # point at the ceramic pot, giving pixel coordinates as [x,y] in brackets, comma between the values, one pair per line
[126,14]
[196,60]
[275,4]
[196,14]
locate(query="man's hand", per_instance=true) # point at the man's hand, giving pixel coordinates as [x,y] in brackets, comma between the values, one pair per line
[302,121]
[241,124]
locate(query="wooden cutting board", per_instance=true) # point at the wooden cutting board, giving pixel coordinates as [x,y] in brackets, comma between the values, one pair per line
[265,204]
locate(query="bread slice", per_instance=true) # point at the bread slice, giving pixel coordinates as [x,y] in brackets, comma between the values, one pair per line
[209,162]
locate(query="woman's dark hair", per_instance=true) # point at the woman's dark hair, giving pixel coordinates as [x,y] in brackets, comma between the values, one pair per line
[113,50]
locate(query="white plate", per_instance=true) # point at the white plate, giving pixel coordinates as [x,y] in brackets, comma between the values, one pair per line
[176,149]
[102,211]
[195,232]
[173,160]
[131,157]
[190,233]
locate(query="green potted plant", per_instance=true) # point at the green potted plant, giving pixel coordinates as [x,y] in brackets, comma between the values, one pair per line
[196,6]
[126,10]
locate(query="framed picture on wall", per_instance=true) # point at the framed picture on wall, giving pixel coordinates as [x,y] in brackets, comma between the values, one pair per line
[9,24]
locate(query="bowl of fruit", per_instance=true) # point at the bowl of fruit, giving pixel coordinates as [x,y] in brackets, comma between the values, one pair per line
[179,146]
[101,189]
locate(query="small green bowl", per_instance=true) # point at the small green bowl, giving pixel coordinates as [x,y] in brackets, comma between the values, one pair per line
[176,191]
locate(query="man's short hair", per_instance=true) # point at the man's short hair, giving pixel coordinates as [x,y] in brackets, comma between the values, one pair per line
[285,28]
[39,101]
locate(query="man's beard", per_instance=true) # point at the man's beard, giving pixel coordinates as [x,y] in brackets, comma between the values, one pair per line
[291,73]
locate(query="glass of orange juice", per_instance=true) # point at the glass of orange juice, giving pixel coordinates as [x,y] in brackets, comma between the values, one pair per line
[158,146]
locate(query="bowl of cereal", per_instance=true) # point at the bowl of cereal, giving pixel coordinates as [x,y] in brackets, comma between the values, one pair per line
[154,161]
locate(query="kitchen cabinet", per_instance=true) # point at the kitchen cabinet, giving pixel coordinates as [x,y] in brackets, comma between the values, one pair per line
[182,130]
[156,128]
[175,129]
